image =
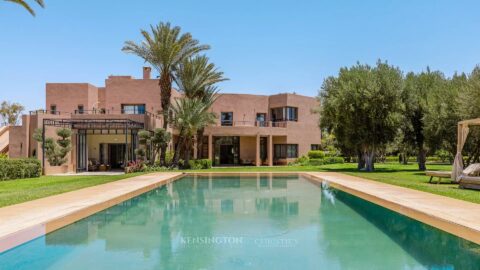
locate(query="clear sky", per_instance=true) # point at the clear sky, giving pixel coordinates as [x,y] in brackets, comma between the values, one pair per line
[263,46]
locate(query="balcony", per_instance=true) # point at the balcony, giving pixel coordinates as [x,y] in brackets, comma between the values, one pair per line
[247,128]
[260,124]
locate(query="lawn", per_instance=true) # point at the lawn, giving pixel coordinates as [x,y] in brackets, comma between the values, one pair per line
[21,190]
[17,191]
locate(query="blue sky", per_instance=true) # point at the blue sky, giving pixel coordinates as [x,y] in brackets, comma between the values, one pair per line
[263,46]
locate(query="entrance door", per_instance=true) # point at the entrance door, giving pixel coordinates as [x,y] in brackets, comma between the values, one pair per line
[82,150]
[116,155]
[226,154]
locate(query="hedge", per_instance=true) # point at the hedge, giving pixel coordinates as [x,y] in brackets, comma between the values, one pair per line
[198,164]
[316,154]
[323,161]
[19,168]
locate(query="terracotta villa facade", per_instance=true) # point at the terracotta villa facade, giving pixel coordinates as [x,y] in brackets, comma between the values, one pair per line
[250,130]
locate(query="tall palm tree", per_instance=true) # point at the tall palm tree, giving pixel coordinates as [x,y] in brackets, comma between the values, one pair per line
[189,115]
[26,5]
[165,48]
[196,78]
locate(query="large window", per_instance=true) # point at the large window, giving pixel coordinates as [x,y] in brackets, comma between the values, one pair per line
[284,114]
[315,147]
[285,151]
[133,108]
[226,118]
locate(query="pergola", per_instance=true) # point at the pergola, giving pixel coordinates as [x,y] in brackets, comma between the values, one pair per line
[462,134]
[117,126]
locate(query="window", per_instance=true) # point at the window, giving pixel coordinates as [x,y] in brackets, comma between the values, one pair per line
[80,109]
[315,147]
[53,109]
[285,151]
[262,119]
[226,118]
[277,114]
[133,108]
[284,114]
[291,114]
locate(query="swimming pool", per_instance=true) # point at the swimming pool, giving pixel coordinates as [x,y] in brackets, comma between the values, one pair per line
[245,222]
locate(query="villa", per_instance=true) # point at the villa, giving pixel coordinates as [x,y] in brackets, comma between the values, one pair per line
[250,130]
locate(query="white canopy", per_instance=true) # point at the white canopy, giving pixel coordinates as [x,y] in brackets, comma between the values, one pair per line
[462,133]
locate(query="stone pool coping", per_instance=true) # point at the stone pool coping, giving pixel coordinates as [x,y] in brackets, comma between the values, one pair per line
[29,220]
[20,223]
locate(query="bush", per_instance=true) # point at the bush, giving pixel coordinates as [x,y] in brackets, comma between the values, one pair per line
[135,166]
[305,161]
[316,161]
[200,164]
[334,160]
[302,161]
[19,168]
[316,154]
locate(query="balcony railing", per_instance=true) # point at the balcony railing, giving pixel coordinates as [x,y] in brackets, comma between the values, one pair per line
[282,124]
[94,112]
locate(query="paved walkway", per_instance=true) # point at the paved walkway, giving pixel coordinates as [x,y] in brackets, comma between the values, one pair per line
[457,217]
[25,221]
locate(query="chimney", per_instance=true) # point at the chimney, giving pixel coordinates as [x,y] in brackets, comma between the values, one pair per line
[146,73]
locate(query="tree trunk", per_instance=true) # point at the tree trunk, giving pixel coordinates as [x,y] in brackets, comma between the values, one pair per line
[165,95]
[188,148]
[422,159]
[369,160]
[176,155]
[200,143]
[405,159]
[360,161]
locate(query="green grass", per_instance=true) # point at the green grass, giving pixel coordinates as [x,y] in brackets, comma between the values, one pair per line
[17,191]
[21,190]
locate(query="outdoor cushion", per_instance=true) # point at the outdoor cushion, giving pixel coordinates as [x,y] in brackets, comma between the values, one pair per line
[472,169]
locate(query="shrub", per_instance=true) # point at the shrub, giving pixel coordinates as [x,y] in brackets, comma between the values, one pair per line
[444,155]
[19,168]
[333,160]
[3,156]
[302,161]
[316,161]
[199,164]
[56,152]
[316,154]
[321,161]
[135,166]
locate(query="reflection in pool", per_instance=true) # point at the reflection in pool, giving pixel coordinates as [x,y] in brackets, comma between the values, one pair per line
[245,222]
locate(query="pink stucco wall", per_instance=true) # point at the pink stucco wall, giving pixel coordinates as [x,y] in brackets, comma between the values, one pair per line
[120,90]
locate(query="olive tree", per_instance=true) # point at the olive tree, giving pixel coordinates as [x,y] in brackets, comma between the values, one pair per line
[361,107]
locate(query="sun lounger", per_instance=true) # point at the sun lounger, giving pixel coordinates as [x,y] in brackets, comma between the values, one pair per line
[438,174]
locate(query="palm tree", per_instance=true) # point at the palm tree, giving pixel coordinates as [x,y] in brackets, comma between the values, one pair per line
[196,78]
[165,48]
[26,5]
[190,115]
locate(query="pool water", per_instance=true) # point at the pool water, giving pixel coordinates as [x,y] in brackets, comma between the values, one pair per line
[245,222]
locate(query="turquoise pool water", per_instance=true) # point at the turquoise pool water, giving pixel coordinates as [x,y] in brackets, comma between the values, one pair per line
[245,222]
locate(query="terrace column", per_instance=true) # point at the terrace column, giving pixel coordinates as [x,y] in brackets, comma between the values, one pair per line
[257,150]
[210,148]
[270,150]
